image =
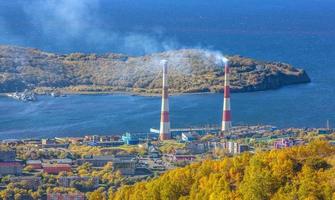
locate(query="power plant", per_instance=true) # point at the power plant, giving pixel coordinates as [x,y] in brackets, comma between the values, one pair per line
[164,132]
[165,129]
[226,116]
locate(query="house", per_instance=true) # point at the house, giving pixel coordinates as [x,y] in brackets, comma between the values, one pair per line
[56,168]
[153,152]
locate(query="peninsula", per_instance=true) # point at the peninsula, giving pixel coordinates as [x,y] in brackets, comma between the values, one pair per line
[191,71]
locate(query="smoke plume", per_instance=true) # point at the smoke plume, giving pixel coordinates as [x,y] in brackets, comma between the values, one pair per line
[76,25]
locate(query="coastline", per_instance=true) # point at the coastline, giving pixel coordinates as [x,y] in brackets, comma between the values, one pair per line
[67,91]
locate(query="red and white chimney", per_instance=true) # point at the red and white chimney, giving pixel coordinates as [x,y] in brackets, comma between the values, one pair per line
[164,132]
[226,118]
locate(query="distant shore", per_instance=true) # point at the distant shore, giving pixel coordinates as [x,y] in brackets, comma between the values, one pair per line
[103,90]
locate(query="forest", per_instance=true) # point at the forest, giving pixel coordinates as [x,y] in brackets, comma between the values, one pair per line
[301,172]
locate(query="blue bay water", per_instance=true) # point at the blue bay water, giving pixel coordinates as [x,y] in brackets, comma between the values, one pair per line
[300,32]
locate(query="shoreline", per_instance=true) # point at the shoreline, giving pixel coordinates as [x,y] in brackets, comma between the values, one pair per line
[46,92]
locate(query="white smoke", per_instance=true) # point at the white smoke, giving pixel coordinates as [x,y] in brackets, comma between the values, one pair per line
[72,23]
[217,56]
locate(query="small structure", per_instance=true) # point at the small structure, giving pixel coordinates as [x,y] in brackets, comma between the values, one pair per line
[153,152]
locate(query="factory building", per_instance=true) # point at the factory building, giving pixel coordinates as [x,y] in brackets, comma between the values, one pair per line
[131,138]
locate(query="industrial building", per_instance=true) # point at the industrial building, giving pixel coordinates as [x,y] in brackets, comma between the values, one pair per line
[131,138]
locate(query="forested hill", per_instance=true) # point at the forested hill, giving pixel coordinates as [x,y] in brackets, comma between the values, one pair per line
[304,172]
[191,70]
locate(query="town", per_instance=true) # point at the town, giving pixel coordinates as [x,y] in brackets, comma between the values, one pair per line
[65,168]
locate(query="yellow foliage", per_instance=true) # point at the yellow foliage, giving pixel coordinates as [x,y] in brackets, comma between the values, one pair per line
[302,172]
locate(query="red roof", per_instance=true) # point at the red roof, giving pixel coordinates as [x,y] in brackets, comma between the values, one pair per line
[56,168]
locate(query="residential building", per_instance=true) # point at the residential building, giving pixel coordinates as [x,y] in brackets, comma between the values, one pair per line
[56,168]
[8,163]
[11,168]
[33,182]
[7,155]
[125,164]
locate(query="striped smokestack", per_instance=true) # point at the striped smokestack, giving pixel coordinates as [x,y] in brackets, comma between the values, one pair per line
[226,118]
[164,133]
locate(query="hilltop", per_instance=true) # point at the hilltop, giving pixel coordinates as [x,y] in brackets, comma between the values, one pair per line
[191,70]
